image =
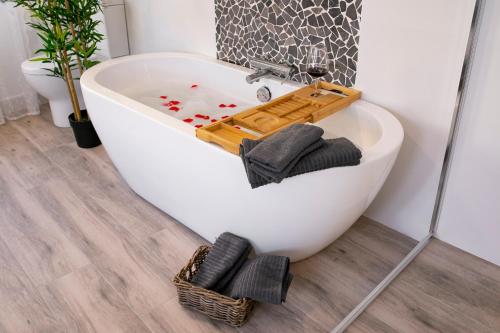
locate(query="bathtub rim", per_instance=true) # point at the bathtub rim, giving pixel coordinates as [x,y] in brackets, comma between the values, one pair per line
[390,140]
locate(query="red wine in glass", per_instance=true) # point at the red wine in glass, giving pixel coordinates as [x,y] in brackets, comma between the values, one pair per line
[317,65]
[317,72]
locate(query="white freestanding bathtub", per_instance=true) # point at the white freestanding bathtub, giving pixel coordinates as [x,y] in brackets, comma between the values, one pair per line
[203,186]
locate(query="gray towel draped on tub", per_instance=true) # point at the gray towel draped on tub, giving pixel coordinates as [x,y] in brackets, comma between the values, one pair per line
[278,154]
[333,153]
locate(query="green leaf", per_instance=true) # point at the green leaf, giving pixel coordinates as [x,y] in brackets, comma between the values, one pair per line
[39,59]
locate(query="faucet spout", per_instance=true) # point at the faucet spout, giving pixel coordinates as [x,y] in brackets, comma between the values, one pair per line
[266,68]
[259,74]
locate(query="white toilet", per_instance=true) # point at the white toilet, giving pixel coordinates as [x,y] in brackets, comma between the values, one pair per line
[115,44]
[53,89]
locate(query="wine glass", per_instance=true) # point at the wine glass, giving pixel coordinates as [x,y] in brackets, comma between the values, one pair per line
[317,65]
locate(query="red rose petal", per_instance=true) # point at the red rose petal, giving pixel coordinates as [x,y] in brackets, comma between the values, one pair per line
[174,108]
[174,102]
[188,120]
[222,105]
[201,116]
[198,126]
[194,86]
[163,97]
[231,105]
[165,104]
[213,120]
[224,117]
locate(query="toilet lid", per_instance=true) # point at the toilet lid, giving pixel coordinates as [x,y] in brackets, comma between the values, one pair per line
[36,67]
[30,67]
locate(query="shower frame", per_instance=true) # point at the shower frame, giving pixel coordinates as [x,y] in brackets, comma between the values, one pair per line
[455,124]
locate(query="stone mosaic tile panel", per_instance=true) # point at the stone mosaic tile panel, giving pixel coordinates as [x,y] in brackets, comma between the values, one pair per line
[282,31]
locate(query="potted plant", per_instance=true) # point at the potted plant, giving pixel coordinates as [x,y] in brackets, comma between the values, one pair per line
[67,29]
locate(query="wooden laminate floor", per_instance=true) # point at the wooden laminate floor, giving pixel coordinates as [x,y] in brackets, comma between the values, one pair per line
[443,290]
[80,252]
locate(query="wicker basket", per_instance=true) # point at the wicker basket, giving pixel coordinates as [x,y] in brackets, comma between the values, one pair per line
[234,312]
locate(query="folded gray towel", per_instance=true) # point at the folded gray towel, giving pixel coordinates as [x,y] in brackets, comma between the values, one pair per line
[283,149]
[226,257]
[334,153]
[254,178]
[278,176]
[264,279]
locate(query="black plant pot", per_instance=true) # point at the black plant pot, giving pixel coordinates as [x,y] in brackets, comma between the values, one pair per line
[85,134]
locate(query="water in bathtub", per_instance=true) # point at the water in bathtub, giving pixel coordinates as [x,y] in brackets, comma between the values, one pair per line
[193,103]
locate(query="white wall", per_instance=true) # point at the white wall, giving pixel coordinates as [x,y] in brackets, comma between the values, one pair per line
[171,25]
[470,218]
[17,43]
[410,58]
[10,74]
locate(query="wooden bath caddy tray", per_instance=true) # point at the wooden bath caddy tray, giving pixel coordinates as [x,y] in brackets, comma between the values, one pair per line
[262,121]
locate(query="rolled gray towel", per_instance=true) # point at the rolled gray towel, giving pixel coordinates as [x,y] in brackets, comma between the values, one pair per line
[334,153]
[226,257]
[264,279]
[282,150]
[224,281]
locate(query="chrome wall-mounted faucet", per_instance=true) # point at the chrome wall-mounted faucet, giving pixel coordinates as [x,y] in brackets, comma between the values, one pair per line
[266,68]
